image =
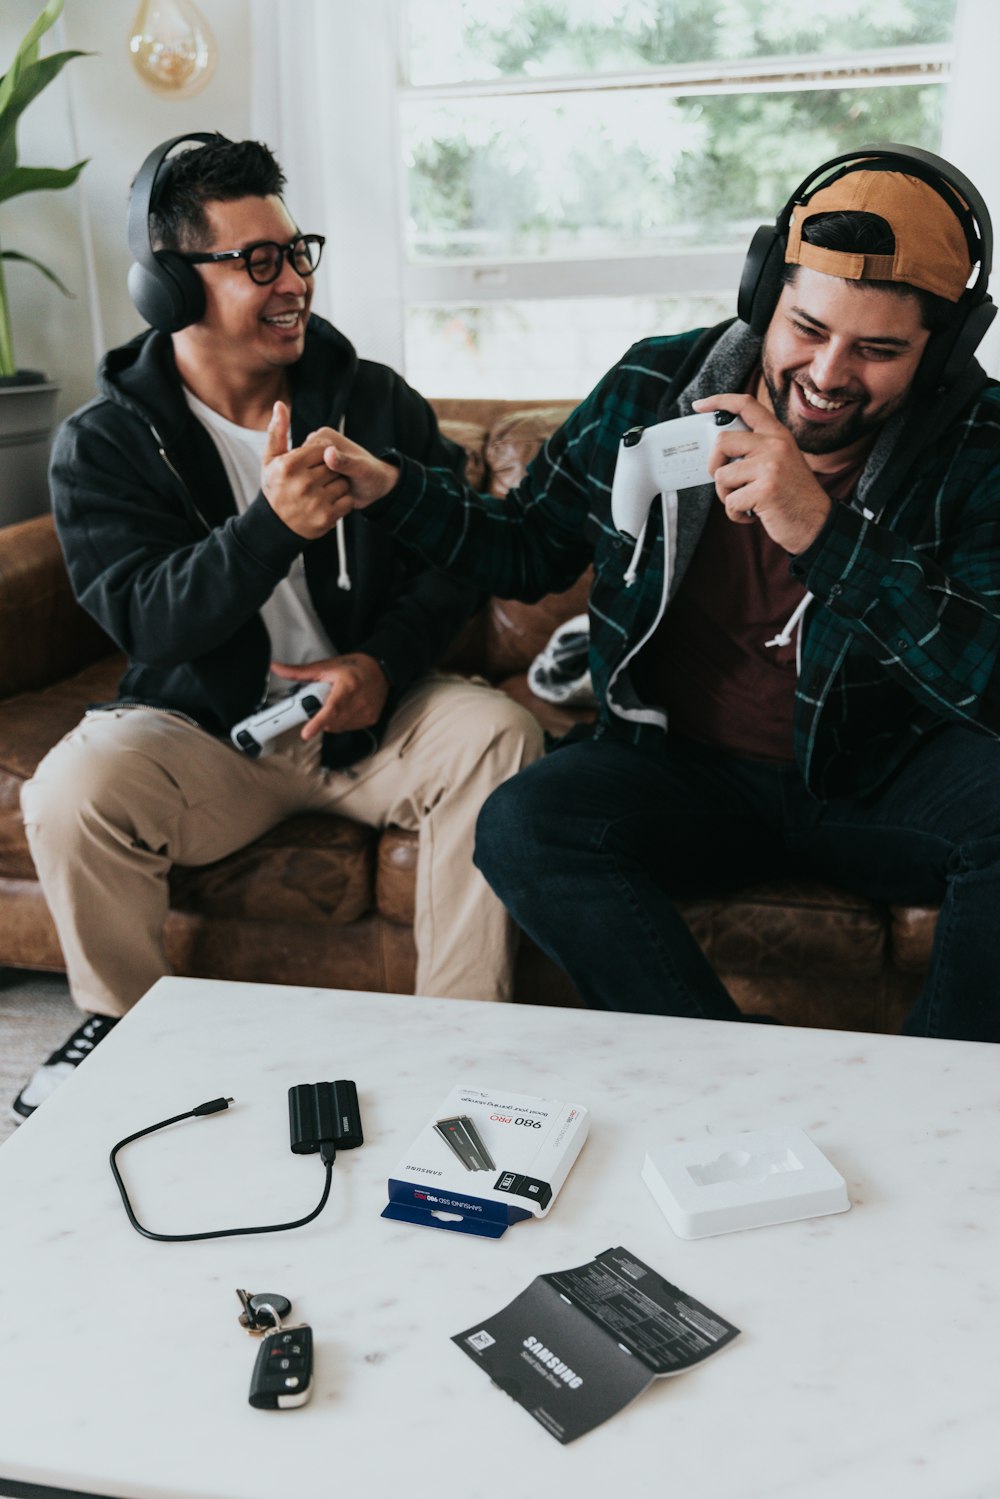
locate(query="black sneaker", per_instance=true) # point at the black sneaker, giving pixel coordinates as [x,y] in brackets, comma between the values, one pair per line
[61,1064]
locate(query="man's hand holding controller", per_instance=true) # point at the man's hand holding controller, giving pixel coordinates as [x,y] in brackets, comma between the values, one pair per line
[761,474]
[338,695]
[661,459]
[256,734]
[355,691]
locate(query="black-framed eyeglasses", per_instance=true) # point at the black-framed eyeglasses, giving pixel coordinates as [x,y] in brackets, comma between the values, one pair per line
[263,261]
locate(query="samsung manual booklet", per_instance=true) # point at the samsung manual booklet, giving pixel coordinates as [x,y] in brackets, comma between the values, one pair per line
[487,1158]
[578,1345]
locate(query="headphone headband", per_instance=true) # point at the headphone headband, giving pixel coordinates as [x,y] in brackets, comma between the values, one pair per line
[166,291]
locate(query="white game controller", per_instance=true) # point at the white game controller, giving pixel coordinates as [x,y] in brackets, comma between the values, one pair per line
[656,460]
[255,735]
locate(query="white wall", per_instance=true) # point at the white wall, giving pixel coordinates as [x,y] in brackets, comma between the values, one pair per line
[118,121]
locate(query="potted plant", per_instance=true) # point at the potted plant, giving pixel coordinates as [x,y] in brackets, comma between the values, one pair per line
[27,397]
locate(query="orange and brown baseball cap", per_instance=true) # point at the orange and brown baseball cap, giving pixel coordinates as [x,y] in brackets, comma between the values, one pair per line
[931,248]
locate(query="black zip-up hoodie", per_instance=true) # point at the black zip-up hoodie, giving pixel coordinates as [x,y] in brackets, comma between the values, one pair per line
[157,553]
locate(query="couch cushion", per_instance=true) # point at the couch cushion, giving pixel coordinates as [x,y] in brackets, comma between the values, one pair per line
[486,411]
[554,719]
[911,936]
[314,868]
[44,634]
[801,926]
[368,954]
[515,632]
[514,441]
[396,875]
[472,437]
[30,724]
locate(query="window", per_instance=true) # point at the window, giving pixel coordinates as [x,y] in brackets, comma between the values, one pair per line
[579,174]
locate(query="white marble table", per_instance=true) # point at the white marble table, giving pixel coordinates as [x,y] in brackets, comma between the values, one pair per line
[869,1361]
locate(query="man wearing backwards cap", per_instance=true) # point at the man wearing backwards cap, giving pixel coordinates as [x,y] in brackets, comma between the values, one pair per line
[821,634]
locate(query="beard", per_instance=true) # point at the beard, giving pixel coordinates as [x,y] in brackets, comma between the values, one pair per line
[857,423]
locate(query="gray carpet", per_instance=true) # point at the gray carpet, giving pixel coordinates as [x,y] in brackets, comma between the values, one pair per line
[36,1016]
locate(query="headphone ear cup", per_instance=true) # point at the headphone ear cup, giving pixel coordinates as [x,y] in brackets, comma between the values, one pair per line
[169,298]
[949,353]
[760,283]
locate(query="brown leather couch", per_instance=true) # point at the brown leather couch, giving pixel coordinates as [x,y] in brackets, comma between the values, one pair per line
[322,901]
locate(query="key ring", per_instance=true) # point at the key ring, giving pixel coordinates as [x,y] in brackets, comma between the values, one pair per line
[277,1306]
[265,1306]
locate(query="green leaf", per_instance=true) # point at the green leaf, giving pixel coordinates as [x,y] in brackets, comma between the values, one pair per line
[27,76]
[30,259]
[27,53]
[24,89]
[38,179]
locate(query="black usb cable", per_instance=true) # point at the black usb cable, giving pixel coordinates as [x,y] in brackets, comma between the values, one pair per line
[323,1117]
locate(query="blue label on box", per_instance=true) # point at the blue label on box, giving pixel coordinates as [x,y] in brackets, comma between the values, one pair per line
[465,1214]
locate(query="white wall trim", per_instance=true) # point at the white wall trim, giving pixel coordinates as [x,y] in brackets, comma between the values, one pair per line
[693,273]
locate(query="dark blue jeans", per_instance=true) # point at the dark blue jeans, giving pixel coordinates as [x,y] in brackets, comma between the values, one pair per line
[590,847]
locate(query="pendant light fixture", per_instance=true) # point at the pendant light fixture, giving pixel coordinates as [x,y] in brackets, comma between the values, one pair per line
[172,48]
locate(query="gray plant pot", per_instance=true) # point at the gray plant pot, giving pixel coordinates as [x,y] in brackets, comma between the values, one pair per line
[27,416]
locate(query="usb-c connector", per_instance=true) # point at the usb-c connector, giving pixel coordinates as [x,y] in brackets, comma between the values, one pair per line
[215,1106]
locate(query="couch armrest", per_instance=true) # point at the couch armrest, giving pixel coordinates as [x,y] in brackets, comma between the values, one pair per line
[44,634]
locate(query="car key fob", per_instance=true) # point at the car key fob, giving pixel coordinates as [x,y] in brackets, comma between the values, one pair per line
[282,1375]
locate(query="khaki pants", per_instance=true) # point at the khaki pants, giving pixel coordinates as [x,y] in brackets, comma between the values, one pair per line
[131,791]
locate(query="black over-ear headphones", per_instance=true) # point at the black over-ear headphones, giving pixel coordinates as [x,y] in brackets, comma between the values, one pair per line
[947,353]
[166,291]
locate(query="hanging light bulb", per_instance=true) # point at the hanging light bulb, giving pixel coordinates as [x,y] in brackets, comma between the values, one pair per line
[172,48]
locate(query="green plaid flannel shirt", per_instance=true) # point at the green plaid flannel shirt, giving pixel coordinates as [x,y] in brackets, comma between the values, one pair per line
[904,630]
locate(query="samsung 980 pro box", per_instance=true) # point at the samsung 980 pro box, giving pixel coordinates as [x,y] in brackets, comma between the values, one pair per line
[488,1158]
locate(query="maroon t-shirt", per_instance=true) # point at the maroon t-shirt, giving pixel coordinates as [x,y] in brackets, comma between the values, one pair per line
[707,664]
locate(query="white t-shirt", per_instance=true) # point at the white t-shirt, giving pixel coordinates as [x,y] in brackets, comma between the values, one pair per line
[296,631]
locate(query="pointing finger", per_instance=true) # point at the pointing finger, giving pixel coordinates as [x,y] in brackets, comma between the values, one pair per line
[278,429]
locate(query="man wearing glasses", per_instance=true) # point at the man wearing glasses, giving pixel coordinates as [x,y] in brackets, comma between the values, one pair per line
[194,510]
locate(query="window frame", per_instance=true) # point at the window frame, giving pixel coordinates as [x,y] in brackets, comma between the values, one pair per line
[338,66]
[479,280]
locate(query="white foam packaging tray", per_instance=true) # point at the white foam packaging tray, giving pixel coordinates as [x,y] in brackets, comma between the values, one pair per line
[722,1183]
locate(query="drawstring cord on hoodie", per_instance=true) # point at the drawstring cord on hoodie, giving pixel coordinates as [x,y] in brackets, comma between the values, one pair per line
[633,567]
[794,622]
[784,635]
[343,576]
